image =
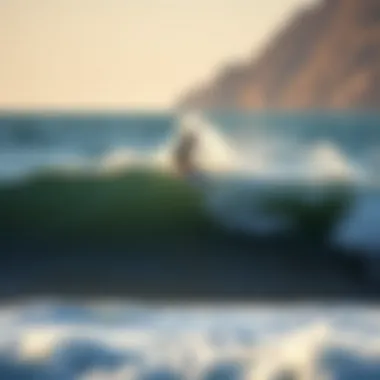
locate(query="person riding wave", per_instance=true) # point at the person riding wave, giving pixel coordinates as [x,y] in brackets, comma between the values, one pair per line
[184,153]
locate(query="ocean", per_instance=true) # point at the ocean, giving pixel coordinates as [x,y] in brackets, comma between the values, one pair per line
[264,143]
[276,198]
[243,161]
[50,340]
[91,206]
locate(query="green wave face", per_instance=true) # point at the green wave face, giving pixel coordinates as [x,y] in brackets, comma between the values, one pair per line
[142,204]
[136,203]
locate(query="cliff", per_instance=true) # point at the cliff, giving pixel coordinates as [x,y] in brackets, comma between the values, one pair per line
[325,57]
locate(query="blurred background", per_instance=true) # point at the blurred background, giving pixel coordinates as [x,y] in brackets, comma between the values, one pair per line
[189,151]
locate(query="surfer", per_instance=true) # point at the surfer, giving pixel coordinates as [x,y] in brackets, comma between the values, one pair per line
[184,154]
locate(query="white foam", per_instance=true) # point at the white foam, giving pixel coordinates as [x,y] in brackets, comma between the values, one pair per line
[213,152]
[327,162]
[317,343]
[267,156]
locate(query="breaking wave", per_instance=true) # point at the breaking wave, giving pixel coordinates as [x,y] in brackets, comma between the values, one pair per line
[259,154]
[265,156]
[49,341]
[261,184]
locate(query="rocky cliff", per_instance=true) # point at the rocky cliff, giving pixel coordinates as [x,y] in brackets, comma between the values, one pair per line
[325,57]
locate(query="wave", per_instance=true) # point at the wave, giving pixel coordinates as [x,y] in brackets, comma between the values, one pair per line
[264,156]
[213,153]
[358,230]
[303,343]
[138,203]
[250,186]
[255,154]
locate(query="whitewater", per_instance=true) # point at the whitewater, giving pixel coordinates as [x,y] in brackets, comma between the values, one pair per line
[51,340]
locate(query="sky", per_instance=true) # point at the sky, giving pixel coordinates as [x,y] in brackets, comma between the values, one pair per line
[125,53]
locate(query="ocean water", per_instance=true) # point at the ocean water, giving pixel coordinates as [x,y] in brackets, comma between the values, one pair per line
[241,159]
[111,176]
[50,340]
[280,145]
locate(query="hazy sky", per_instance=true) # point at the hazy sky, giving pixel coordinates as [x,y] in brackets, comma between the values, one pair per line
[124,53]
